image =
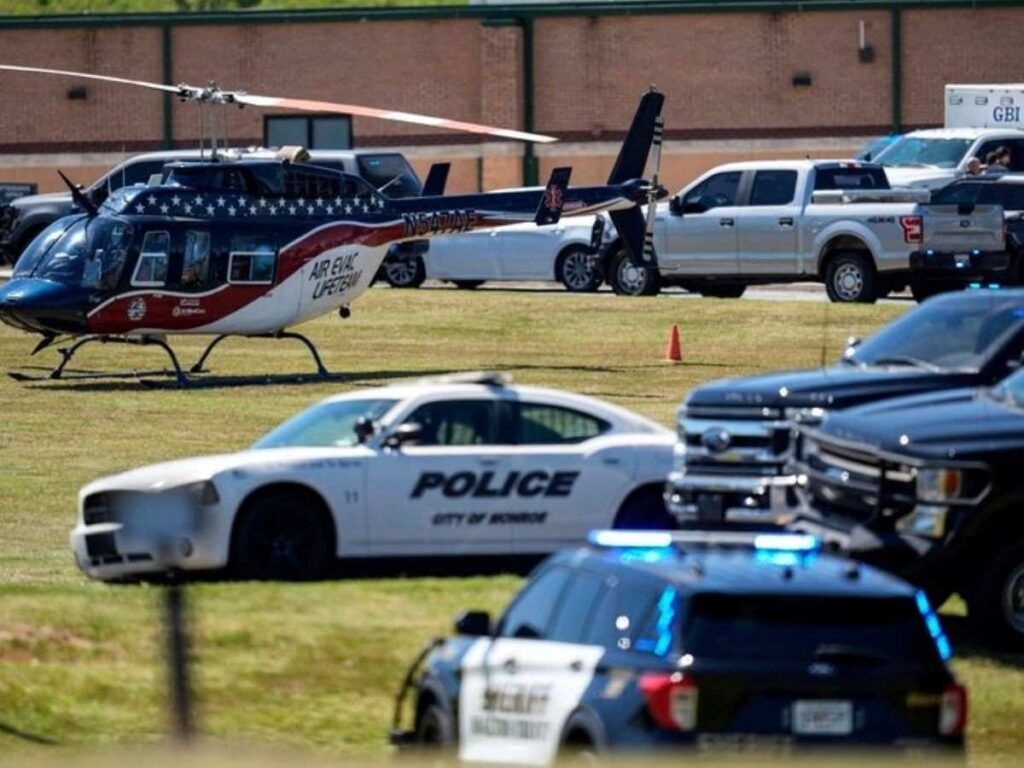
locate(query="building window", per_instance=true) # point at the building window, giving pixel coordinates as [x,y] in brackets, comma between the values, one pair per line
[310,131]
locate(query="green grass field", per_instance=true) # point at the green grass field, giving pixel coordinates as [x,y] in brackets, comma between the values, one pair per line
[316,665]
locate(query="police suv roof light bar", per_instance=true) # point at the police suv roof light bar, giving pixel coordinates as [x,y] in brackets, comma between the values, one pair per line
[787,542]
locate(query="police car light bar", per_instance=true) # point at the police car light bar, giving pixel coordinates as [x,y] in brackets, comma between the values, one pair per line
[788,542]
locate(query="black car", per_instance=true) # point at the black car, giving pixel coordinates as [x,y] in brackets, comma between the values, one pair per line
[930,487]
[735,435]
[650,640]
[933,272]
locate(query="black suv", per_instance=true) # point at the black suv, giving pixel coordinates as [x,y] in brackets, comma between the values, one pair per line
[649,640]
[930,487]
[735,435]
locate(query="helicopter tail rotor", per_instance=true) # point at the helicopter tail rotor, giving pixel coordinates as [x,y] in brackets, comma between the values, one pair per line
[550,209]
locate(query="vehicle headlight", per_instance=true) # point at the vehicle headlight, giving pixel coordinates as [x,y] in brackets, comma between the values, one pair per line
[939,485]
[926,520]
[951,485]
[205,492]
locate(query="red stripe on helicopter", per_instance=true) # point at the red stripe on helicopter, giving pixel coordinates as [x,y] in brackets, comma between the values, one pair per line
[171,311]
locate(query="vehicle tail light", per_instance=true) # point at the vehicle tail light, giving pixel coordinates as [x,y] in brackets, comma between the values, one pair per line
[913,228]
[953,711]
[671,699]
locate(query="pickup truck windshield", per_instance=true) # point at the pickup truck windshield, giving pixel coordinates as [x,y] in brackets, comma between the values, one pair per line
[955,333]
[911,152]
[326,424]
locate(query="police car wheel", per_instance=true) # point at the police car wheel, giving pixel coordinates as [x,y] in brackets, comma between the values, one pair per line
[644,509]
[995,607]
[404,272]
[435,727]
[283,536]
[849,278]
[578,270]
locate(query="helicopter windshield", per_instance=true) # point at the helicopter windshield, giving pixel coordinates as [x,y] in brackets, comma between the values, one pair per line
[40,244]
[90,253]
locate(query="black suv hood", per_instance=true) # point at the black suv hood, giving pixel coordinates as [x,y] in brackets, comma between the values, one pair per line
[840,386]
[959,423]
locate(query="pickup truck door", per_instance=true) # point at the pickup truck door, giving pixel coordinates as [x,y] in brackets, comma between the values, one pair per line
[702,241]
[767,226]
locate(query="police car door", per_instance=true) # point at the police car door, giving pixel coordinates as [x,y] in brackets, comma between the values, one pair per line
[519,688]
[435,496]
[565,485]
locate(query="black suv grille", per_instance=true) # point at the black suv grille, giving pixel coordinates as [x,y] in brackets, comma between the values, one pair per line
[855,482]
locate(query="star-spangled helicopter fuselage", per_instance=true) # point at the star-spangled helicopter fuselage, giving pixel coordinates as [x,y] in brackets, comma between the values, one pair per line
[244,247]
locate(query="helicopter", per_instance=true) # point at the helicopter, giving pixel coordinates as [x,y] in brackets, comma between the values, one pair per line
[249,246]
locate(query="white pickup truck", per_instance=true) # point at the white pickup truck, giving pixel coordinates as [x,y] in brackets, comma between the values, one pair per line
[934,157]
[796,220]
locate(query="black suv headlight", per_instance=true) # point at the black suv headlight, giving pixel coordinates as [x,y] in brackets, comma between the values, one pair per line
[950,485]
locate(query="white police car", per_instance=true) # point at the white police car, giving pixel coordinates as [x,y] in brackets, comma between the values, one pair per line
[658,640]
[445,467]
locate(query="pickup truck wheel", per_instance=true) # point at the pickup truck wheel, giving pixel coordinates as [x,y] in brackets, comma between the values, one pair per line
[404,272]
[849,277]
[632,279]
[578,270]
[995,607]
[282,536]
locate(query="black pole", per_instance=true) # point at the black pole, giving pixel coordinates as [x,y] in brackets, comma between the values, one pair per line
[182,726]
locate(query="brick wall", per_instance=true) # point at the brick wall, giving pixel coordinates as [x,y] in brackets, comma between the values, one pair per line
[726,76]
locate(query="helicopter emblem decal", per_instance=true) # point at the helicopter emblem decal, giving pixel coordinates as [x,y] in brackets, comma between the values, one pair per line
[137,309]
[553,198]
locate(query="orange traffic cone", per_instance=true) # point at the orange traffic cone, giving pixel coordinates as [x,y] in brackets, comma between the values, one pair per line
[672,352]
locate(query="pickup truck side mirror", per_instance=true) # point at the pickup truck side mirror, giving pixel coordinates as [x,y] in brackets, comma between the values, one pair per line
[473,624]
[851,345]
[409,433]
[675,206]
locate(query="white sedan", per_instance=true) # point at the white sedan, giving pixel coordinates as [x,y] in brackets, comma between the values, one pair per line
[562,252]
[442,467]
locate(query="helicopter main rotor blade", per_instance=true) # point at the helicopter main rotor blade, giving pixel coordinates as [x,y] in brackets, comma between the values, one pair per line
[387,114]
[213,94]
[87,76]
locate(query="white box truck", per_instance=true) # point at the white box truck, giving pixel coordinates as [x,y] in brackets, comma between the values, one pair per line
[985,106]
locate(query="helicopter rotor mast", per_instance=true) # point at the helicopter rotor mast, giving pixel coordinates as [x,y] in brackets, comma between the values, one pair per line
[212,95]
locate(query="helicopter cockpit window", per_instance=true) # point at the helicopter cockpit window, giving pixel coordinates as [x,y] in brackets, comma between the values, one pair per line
[311,184]
[195,265]
[151,270]
[103,268]
[252,259]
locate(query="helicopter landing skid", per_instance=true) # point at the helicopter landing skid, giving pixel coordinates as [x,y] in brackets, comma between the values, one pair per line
[321,369]
[67,353]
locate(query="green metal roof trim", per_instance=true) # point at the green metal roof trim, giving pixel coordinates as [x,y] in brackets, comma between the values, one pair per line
[525,10]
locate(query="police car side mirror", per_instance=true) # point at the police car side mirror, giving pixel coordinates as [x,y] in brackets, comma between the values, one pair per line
[473,624]
[675,206]
[409,433]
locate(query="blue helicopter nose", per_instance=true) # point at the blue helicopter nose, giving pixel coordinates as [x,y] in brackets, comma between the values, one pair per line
[43,306]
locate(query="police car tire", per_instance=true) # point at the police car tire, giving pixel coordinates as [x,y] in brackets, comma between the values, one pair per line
[283,536]
[857,266]
[435,727]
[991,600]
[644,510]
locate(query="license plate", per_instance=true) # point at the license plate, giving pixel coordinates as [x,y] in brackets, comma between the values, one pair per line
[710,508]
[823,718]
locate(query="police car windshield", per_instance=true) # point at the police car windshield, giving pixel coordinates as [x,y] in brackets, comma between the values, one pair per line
[959,332]
[89,254]
[806,628]
[326,424]
[910,152]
